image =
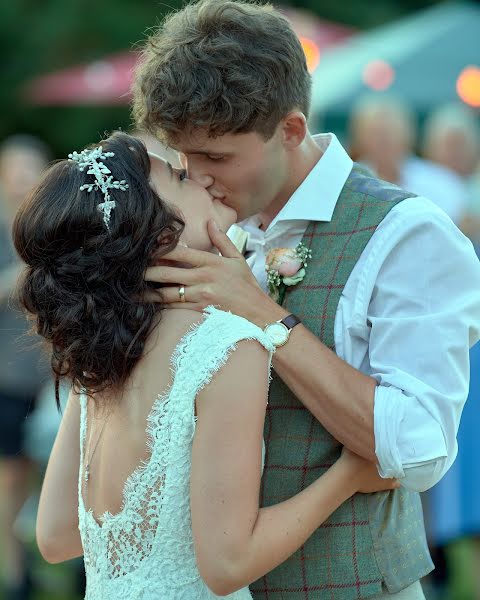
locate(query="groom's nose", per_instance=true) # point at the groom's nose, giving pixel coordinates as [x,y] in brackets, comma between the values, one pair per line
[196,173]
[202,178]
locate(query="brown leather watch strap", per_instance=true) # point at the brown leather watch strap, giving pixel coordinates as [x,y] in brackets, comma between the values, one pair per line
[290,321]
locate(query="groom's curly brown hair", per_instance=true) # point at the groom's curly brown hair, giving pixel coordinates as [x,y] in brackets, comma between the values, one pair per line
[221,66]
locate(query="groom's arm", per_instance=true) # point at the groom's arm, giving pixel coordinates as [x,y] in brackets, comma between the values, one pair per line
[421,317]
[338,395]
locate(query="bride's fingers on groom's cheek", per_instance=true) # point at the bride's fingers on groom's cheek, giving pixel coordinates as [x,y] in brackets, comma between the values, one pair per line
[170,275]
[186,255]
[170,298]
[171,294]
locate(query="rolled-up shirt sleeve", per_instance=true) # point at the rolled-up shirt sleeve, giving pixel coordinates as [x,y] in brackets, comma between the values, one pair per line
[423,316]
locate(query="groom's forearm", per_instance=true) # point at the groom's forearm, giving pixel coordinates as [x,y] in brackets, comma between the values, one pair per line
[339,396]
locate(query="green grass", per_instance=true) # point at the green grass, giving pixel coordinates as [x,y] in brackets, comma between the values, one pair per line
[58,582]
[460,557]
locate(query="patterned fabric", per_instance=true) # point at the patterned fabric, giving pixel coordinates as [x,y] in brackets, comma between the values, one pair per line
[373,540]
[146,551]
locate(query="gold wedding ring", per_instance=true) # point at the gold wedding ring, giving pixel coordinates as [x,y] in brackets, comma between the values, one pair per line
[181,293]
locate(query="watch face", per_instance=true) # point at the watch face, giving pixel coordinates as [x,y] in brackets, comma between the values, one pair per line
[278,333]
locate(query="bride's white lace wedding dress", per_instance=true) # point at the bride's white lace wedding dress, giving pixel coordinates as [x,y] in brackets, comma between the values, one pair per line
[146,551]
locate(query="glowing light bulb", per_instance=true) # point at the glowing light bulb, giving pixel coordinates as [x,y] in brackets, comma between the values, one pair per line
[468,85]
[312,53]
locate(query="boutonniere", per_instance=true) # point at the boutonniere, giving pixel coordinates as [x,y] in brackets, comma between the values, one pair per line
[285,267]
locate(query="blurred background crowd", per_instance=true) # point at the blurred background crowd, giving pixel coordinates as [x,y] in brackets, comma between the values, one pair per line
[398,81]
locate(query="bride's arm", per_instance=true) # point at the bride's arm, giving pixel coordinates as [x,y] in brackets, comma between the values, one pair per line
[236,542]
[58,537]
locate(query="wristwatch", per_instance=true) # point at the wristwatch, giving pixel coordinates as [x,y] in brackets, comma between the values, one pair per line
[279,331]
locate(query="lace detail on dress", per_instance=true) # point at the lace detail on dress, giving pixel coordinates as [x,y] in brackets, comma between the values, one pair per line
[146,549]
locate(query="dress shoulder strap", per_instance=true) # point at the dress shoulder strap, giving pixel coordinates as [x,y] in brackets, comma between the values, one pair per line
[207,348]
[82,398]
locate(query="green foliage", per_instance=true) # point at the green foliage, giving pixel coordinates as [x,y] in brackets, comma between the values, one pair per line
[362,14]
[40,36]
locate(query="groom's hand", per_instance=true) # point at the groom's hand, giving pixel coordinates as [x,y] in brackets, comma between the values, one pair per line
[224,281]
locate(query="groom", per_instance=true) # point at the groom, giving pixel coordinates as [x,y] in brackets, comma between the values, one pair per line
[388,307]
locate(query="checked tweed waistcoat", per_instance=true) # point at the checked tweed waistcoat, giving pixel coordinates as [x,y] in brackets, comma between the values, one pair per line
[372,542]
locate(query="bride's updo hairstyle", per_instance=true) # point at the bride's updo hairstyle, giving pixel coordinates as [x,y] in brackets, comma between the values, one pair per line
[84,281]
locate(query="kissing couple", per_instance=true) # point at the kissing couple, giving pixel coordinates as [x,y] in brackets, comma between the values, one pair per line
[253,424]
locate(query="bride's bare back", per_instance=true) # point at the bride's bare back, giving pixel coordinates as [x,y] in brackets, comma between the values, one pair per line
[123,444]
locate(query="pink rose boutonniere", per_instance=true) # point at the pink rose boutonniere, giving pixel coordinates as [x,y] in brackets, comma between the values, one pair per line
[285,267]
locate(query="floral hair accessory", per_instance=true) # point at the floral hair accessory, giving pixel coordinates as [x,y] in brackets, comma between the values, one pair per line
[92,159]
[285,267]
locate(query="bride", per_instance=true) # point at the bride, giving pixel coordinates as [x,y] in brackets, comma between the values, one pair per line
[155,473]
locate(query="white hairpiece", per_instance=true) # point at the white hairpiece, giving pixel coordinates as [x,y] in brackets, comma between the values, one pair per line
[103,179]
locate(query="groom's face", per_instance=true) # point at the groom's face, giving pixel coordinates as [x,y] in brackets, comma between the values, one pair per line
[242,170]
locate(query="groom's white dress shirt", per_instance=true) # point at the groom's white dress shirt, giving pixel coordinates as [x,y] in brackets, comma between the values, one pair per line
[409,306]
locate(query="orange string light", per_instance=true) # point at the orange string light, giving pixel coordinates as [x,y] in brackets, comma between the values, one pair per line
[312,53]
[468,86]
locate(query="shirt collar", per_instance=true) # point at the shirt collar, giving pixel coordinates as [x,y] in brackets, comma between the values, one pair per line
[316,197]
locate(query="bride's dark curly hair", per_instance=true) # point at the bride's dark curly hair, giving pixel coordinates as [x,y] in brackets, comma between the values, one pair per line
[83,283]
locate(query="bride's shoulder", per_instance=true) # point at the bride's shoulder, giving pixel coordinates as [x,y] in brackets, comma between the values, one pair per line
[171,327]
[181,319]
[211,327]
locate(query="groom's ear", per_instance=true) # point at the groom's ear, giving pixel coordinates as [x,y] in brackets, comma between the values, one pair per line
[293,129]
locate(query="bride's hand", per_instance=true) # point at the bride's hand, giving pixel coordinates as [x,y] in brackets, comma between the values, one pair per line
[365,473]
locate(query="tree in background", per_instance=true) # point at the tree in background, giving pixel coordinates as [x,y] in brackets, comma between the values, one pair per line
[39,37]
[362,14]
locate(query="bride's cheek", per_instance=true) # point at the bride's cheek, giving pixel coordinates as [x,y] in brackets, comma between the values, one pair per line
[186,237]
[196,236]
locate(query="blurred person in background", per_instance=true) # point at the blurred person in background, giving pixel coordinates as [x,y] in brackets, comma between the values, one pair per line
[452,139]
[383,136]
[22,159]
